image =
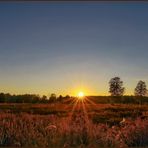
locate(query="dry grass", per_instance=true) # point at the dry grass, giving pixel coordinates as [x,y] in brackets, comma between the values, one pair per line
[54,125]
[51,131]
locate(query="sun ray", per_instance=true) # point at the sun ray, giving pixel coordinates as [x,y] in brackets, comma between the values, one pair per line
[87,106]
[85,112]
[73,110]
[90,101]
[81,106]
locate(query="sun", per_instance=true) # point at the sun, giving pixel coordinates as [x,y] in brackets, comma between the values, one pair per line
[80,94]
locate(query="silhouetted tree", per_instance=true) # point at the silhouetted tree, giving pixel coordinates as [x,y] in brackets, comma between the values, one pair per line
[44,99]
[52,97]
[2,97]
[60,98]
[141,89]
[116,87]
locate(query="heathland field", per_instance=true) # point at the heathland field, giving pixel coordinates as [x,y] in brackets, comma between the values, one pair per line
[74,123]
[98,113]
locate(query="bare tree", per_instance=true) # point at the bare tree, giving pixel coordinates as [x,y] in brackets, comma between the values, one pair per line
[141,89]
[116,87]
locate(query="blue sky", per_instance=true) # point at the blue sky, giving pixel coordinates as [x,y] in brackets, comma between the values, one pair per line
[65,47]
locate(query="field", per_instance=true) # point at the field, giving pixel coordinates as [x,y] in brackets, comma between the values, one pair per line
[72,124]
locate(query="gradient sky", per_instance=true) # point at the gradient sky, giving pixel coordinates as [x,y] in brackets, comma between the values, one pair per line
[65,47]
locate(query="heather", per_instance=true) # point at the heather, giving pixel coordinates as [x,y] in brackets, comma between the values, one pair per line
[73,124]
[98,113]
[74,131]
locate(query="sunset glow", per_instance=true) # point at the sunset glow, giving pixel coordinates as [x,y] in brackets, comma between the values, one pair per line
[67,48]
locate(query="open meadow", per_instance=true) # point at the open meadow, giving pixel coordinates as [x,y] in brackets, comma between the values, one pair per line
[73,124]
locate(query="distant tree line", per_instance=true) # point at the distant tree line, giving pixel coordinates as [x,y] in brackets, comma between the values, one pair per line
[31,98]
[116,91]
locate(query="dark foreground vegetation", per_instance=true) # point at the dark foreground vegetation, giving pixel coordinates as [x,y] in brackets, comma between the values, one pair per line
[67,122]
[26,130]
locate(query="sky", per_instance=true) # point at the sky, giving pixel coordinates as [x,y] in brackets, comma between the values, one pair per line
[67,47]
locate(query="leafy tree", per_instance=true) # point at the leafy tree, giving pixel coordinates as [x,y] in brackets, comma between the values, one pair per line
[2,97]
[52,97]
[60,98]
[44,99]
[116,87]
[141,89]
